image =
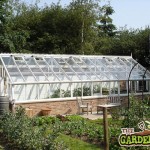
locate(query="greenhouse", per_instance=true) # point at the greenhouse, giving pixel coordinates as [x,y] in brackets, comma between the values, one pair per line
[34,77]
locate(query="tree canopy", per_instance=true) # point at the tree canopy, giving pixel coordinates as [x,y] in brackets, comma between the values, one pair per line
[81,27]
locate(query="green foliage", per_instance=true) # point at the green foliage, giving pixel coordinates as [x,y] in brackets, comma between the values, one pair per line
[138,111]
[22,133]
[81,127]
[38,121]
[145,108]
[77,92]
[106,27]
[86,91]
[11,39]
[82,27]
[71,30]
[114,90]
[116,113]
[44,132]
[125,42]
[56,93]
[66,93]
[5,12]
[105,91]
[76,144]
[74,118]
[96,88]
[72,125]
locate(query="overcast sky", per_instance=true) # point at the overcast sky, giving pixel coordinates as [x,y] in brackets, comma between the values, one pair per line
[129,13]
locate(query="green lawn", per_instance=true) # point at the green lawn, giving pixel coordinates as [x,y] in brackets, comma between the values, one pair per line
[76,144]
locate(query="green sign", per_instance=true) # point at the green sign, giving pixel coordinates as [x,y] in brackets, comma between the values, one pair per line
[130,138]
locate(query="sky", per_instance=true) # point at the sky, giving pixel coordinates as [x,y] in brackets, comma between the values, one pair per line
[128,13]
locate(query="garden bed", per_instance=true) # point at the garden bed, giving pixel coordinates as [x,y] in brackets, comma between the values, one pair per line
[59,132]
[22,132]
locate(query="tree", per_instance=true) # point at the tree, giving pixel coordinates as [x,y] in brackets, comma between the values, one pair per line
[53,29]
[5,12]
[127,42]
[106,27]
[87,14]
[11,40]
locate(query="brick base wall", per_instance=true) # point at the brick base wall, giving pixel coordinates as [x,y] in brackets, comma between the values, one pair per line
[61,107]
[66,106]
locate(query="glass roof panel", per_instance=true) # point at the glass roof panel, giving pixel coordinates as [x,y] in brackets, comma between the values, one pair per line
[70,68]
[12,69]
[75,68]
[46,69]
[57,69]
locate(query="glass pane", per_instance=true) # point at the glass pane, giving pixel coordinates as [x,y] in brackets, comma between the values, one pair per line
[87,89]
[44,91]
[97,89]
[113,88]
[19,92]
[55,91]
[65,90]
[123,87]
[77,89]
[12,69]
[105,88]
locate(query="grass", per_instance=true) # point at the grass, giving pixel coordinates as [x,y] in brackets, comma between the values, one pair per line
[76,144]
[110,121]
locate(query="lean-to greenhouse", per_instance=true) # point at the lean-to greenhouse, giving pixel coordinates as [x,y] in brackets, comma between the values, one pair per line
[29,78]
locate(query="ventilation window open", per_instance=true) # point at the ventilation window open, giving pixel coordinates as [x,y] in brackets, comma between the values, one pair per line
[38,58]
[18,58]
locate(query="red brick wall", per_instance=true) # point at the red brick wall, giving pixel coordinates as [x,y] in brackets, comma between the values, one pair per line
[60,107]
[66,106]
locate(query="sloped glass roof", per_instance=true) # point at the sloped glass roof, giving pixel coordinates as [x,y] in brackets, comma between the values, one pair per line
[36,68]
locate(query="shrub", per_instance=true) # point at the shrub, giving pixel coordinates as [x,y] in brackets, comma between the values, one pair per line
[139,110]
[22,133]
[48,120]
[74,118]
[115,112]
